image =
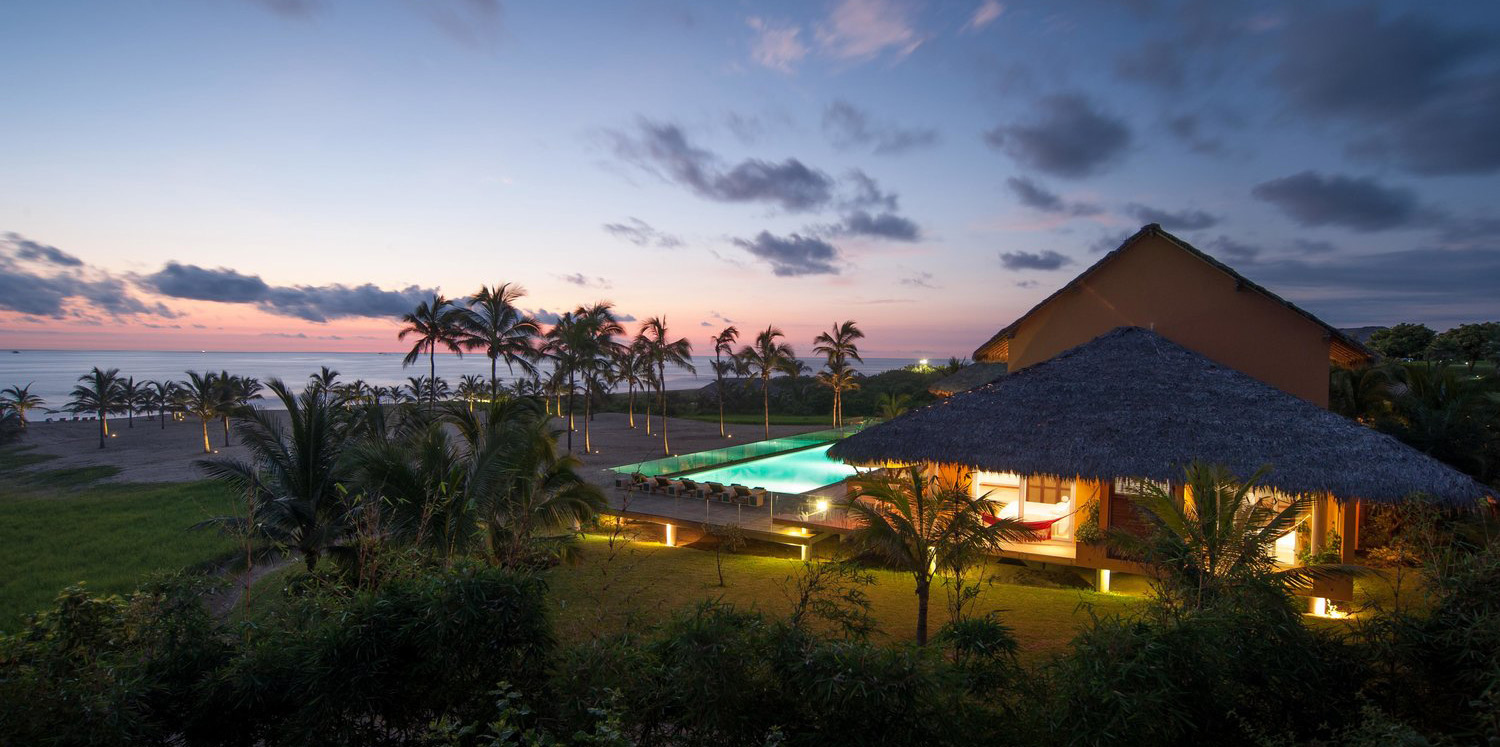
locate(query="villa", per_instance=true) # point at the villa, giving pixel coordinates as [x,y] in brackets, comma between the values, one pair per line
[1156,356]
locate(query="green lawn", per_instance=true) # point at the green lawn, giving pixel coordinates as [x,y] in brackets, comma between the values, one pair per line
[60,527]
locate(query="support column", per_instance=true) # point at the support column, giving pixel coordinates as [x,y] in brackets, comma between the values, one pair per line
[1318,532]
[806,552]
[671,536]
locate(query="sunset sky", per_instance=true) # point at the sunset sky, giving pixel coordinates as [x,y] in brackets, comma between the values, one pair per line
[292,174]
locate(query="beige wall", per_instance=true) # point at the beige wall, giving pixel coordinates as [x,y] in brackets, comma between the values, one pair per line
[1157,285]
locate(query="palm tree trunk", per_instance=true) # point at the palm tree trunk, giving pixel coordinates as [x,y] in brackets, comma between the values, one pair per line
[431,380]
[630,386]
[588,408]
[571,384]
[207,449]
[103,428]
[666,450]
[226,431]
[164,418]
[923,589]
[494,388]
[719,388]
[765,396]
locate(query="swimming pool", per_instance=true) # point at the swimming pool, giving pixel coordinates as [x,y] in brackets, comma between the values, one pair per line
[791,472]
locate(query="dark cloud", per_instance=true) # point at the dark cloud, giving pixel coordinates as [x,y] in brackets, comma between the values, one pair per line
[1027,283]
[1037,197]
[544,316]
[41,280]
[1045,260]
[1310,246]
[705,324]
[881,226]
[1189,129]
[1182,220]
[1425,96]
[1071,138]
[313,303]
[1432,284]
[919,280]
[585,281]
[720,317]
[865,192]
[1157,63]
[665,150]
[1361,204]
[26,249]
[849,127]
[641,233]
[291,8]
[793,255]
[1224,247]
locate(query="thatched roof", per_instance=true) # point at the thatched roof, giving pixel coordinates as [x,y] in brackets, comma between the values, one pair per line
[966,378]
[1346,350]
[1131,403]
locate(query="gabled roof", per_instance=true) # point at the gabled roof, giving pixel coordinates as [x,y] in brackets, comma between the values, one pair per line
[1131,403]
[1345,348]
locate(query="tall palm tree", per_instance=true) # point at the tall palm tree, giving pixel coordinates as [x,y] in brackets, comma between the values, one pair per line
[1220,545]
[601,348]
[130,398]
[20,400]
[472,387]
[542,492]
[839,346]
[920,524]
[566,345]
[433,323]
[160,397]
[201,396]
[662,352]
[724,349]
[99,393]
[767,357]
[840,377]
[492,323]
[324,381]
[631,367]
[294,476]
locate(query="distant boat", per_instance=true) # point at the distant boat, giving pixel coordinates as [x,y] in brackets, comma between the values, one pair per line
[15,352]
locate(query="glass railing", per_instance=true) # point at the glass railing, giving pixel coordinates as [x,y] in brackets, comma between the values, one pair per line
[737,453]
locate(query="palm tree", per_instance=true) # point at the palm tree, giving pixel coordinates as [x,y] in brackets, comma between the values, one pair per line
[893,405]
[724,348]
[632,367]
[99,394]
[766,357]
[130,398]
[235,393]
[1220,544]
[600,350]
[838,346]
[20,400]
[432,323]
[1362,394]
[294,477]
[920,524]
[201,395]
[492,323]
[323,381]
[661,351]
[840,377]
[472,387]
[160,397]
[542,492]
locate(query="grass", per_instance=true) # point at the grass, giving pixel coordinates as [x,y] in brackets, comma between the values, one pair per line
[62,527]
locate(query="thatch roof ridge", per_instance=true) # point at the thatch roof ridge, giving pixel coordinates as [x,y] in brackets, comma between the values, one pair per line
[1155,229]
[969,377]
[1132,403]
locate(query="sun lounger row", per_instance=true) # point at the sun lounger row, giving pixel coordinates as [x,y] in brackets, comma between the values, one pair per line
[684,487]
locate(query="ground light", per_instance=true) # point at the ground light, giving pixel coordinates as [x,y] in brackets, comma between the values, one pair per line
[1323,607]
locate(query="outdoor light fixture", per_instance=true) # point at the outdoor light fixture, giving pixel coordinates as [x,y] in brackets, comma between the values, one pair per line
[922,362]
[821,504]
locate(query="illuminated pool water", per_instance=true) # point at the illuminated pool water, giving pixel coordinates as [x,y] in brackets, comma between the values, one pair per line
[792,472]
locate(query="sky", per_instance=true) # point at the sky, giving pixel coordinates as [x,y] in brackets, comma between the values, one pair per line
[294,174]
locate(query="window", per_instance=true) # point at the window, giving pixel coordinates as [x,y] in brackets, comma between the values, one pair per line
[1048,490]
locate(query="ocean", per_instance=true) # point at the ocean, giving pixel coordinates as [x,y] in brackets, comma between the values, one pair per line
[53,373]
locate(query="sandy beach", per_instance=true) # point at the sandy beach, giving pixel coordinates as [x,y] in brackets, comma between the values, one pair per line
[149,453]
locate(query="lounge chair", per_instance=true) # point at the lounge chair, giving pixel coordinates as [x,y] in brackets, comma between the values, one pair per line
[748,496]
[663,485]
[717,491]
[687,487]
[631,482]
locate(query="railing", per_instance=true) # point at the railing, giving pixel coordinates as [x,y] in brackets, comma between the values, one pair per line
[738,453]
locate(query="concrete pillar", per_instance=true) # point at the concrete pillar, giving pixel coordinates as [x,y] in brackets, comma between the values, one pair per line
[1101,579]
[806,551]
[671,536]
